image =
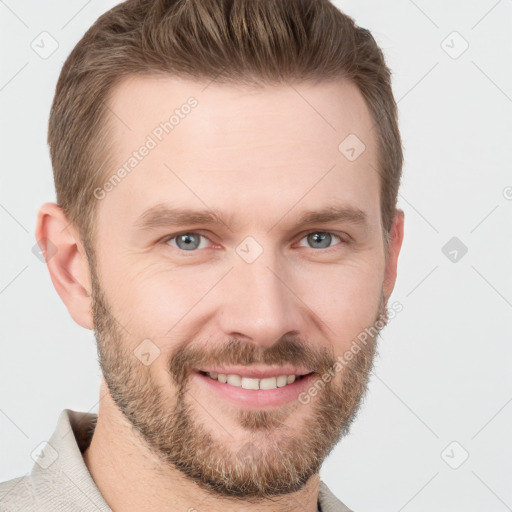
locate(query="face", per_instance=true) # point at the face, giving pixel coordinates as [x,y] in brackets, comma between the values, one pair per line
[241,245]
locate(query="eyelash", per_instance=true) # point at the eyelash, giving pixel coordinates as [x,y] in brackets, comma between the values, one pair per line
[327,249]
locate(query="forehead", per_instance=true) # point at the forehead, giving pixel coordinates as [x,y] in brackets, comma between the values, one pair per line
[229,146]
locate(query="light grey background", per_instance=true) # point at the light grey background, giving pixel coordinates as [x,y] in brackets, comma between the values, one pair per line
[443,374]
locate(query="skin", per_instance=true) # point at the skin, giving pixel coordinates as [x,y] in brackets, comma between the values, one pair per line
[260,156]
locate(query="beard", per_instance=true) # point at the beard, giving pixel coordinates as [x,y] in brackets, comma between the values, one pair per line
[276,458]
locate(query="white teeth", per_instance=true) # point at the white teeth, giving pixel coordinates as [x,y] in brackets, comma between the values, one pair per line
[252,383]
[234,380]
[248,383]
[268,383]
[282,380]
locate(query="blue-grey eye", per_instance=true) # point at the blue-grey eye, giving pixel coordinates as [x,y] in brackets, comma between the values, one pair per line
[187,241]
[320,239]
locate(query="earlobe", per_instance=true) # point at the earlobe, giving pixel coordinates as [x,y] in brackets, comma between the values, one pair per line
[396,236]
[66,260]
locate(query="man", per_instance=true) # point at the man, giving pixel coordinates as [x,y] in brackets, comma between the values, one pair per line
[226,177]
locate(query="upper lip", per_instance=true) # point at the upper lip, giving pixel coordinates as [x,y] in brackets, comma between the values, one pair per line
[256,372]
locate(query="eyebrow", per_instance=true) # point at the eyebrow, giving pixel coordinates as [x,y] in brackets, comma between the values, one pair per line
[162,215]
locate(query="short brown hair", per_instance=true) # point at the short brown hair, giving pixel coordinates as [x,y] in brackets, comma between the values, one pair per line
[237,41]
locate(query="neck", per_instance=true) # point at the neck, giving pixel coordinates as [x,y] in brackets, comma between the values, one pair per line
[131,477]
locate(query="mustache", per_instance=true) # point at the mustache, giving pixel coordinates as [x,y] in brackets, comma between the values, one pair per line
[287,350]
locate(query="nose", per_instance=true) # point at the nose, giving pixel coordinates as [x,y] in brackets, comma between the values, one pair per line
[258,302]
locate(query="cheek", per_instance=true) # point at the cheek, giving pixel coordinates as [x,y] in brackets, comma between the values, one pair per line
[345,297]
[157,301]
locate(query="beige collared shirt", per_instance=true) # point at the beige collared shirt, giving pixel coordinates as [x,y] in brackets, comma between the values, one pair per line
[60,481]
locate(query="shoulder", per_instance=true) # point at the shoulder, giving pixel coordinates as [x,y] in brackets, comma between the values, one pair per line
[43,491]
[328,501]
[17,494]
[59,479]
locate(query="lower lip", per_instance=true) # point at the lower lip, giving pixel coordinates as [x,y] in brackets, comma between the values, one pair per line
[256,397]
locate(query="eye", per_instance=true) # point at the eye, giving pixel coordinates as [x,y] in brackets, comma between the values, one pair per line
[191,241]
[320,239]
[188,241]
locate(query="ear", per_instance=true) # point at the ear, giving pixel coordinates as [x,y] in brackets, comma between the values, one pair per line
[66,260]
[396,236]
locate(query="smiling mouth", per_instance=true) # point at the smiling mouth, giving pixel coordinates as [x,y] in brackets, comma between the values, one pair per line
[265,383]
